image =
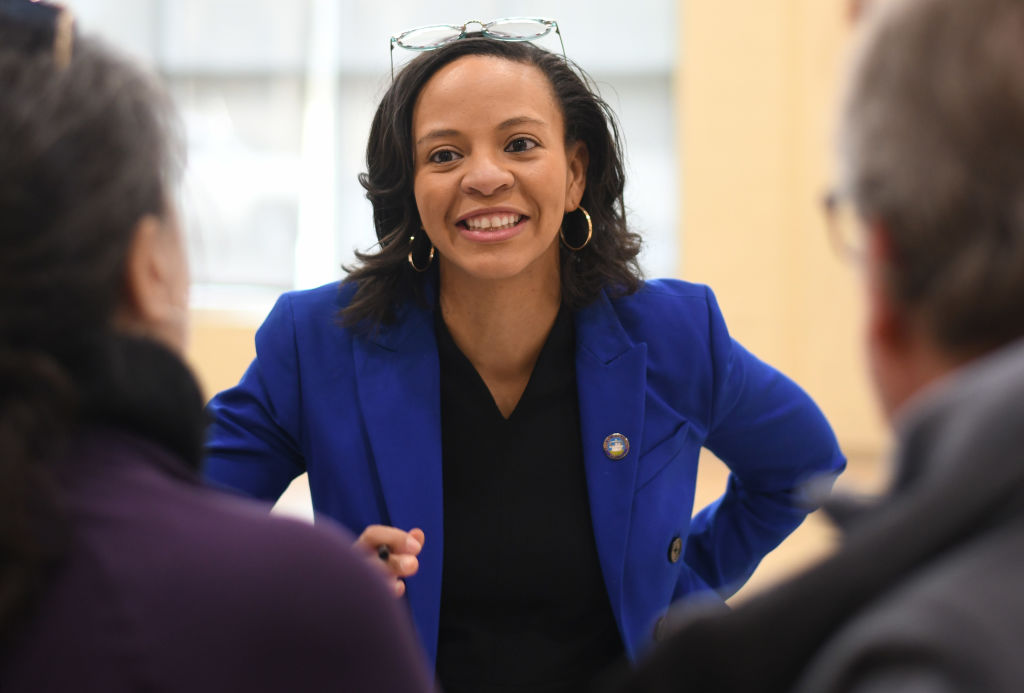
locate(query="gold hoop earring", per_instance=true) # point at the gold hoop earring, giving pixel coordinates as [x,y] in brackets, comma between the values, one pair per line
[590,232]
[412,263]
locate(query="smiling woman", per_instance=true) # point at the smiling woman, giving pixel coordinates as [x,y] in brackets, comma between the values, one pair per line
[483,179]
[497,397]
[492,192]
[611,260]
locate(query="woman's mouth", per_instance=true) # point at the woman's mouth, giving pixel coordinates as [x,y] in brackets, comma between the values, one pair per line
[491,222]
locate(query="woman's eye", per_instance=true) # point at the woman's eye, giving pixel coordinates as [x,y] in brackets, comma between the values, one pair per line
[445,156]
[520,144]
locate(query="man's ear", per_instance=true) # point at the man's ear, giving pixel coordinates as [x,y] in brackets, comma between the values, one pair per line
[886,334]
[888,323]
[155,298]
[579,160]
[902,353]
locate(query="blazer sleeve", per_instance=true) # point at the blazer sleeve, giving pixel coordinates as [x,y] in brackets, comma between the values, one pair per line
[774,440]
[253,445]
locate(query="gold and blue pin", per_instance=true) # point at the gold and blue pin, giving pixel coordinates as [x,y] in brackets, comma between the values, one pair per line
[616,446]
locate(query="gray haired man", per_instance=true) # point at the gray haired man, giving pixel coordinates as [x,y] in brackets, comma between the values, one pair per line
[926,592]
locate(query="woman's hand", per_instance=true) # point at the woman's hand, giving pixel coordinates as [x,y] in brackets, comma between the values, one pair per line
[394,551]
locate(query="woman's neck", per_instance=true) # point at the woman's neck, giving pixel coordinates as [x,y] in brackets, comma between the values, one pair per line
[501,326]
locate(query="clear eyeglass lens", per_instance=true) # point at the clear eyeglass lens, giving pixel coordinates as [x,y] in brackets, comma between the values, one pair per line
[518,29]
[428,37]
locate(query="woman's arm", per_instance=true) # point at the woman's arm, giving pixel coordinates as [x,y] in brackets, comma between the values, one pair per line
[252,446]
[775,440]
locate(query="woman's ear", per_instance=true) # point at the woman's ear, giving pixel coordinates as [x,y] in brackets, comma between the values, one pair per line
[579,159]
[155,300]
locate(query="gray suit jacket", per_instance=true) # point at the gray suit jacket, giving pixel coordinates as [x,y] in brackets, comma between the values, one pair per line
[926,592]
[956,621]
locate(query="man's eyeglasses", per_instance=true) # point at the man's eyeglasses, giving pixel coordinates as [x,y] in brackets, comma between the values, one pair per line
[428,38]
[32,27]
[845,228]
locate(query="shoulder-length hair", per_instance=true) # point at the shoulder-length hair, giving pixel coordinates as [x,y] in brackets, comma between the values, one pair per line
[383,276]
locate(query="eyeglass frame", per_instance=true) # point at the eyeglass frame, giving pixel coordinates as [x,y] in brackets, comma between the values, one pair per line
[833,201]
[549,24]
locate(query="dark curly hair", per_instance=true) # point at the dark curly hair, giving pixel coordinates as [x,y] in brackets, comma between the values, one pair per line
[383,277]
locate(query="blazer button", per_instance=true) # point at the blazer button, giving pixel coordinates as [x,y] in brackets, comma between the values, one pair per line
[675,550]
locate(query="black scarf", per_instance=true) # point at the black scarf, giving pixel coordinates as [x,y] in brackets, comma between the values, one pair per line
[138,385]
[129,383]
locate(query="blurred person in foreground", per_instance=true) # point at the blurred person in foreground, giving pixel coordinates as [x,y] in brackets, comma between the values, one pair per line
[925,592]
[119,571]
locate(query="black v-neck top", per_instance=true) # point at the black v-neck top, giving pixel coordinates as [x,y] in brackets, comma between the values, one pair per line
[523,603]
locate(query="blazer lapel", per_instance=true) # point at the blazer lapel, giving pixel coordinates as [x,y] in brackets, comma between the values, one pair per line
[399,394]
[611,382]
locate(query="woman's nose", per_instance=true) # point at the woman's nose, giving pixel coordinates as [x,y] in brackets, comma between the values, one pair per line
[486,175]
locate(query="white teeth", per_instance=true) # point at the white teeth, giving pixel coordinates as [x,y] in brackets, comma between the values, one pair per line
[497,221]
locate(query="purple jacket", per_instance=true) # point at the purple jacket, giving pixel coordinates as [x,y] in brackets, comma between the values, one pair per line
[170,586]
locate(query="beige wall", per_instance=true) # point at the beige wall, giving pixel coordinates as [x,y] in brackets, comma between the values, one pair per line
[756,96]
[221,346]
[757,92]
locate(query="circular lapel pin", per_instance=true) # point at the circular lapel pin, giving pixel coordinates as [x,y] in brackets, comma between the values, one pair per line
[616,446]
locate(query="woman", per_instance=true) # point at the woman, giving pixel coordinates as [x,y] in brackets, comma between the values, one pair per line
[119,571]
[501,352]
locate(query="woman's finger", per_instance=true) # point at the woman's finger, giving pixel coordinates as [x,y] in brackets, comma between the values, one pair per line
[387,541]
[393,550]
[403,565]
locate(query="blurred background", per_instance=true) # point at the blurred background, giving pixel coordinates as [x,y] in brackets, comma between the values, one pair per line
[277,99]
[726,111]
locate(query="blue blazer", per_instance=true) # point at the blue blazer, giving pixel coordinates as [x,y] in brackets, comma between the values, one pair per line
[363,416]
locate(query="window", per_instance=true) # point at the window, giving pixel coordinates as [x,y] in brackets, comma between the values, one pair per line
[277,98]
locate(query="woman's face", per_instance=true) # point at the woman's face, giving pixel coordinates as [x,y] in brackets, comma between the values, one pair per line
[493,174]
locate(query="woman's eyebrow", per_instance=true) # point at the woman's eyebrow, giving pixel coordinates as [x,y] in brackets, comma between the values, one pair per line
[520,120]
[505,124]
[437,134]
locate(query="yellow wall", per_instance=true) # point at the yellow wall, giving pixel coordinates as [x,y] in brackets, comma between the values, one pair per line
[756,94]
[221,346]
